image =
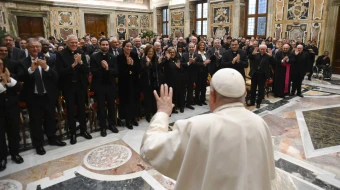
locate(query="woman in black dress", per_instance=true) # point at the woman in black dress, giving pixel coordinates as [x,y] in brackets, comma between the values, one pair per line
[150,79]
[128,92]
[174,78]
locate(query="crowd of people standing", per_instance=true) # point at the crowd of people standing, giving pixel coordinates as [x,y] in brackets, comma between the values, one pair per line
[126,72]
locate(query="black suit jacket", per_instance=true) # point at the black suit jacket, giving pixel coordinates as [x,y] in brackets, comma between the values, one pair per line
[11,65]
[50,80]
[190,71]
[215,60]
[9,97]
[17,54]
[300,65]
[98,71]
[120,51]
[227,58]
[257,65]
[64,61]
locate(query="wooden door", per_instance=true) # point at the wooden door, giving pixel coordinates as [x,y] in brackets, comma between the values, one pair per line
[30,27]
[95,24]
[336,54]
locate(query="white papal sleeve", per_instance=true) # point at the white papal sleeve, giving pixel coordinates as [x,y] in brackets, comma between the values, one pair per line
[165,149]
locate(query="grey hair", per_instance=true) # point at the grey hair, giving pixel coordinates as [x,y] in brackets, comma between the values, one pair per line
[30,40]
[71,36]
[113,38]
[156,43]
[263,46]
[217,40]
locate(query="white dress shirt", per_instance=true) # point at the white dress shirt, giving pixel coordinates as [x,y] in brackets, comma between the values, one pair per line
[10,84]
[31,72]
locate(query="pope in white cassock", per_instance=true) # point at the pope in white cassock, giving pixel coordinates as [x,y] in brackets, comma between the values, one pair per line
[229,148]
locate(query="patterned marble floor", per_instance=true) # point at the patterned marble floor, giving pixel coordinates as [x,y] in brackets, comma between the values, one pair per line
[305,135]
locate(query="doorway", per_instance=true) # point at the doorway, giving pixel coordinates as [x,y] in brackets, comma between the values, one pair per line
[29,27]
[336,55]
[96,24]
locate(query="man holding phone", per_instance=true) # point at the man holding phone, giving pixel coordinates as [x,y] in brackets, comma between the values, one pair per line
[40,93]
[312,51]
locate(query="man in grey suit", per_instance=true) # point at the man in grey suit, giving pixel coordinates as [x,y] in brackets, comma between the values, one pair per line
[215,55]
[14,53]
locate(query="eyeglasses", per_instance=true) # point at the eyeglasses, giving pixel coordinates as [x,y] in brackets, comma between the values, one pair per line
[34,47]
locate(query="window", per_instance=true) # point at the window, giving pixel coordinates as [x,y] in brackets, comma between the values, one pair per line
[256,22]
[201,19]
[165,21]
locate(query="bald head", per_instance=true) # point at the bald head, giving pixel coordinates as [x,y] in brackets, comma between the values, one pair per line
[300,48]
[285,48]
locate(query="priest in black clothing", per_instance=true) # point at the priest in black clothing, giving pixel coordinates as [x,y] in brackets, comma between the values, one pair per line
[39,92]
[235,58]
[128,90]
[299,70]
[283,61]
[73,72]
[104,71]
[259,72]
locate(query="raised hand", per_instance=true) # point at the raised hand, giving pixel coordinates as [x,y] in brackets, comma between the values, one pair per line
[256,50]
[270,52]
[42,63]
[77,58]
[34,64]
[105,65]
[164,102]
[167,55]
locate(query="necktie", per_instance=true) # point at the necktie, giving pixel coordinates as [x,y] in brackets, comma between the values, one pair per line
[9,55]
[38,81]
[116,52]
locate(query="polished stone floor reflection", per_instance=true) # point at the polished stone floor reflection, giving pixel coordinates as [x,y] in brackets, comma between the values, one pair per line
[323,126]
[305,133]
[84,183]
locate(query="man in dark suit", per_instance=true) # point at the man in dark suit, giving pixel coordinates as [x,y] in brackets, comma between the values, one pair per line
[312,51]
[234,58]
[14,53]
[40,93]
[136,47]
[299,69]
[104,71]
[188,62]
[259,72]
[9,116]
[93,47]
[46,50]
[215,55]
[114,49]
[73,70]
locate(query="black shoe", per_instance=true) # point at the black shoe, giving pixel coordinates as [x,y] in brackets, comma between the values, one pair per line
[73,139]
[174,111]
[40,150]
[134,122]
[251,104]
[129,125]
[199,103]
[300,95]
[181,110]
[292,94]
[258,106]
[86,135]
[3,163]
[148,118]
[204,103]
[309,79]
[57,143]
[103,132]
[190,107]
[113,129]
[17,159]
